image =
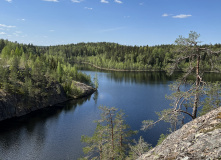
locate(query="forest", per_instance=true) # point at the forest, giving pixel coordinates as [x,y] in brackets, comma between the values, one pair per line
[122,57]
[27,70]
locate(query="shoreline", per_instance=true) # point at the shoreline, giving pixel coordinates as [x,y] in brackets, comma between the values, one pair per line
[122,70]
[118,70]
[10,110]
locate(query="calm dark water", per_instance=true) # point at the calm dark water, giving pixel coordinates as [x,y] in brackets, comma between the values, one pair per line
[55,134]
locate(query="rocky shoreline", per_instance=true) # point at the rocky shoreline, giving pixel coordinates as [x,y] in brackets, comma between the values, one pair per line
[15,105]
[199,139]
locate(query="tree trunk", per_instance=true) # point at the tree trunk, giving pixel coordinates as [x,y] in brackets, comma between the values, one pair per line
[112,133]
[196,99]
[100,152]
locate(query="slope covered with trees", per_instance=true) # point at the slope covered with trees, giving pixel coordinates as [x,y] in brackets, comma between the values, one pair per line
[27,69]
[122,57]
[31,79]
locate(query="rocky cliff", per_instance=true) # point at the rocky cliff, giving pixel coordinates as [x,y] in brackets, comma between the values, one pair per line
[15,105]
[199,139]
[84,89]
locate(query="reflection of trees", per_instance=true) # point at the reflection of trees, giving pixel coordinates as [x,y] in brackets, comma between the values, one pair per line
[140,77]
[16,131]
[155,77]
[212,77]
[145,77]
[95,97]
[7,139]
[72,104]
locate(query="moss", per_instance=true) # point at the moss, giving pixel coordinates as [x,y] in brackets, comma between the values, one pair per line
[218,126]
[218,115]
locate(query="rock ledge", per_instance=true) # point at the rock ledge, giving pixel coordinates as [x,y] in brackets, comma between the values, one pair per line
[15,105]
[199,139]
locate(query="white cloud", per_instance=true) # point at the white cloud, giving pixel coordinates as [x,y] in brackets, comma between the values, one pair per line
[51,0]
[2,33]
[10,1]
[165,15]
[104,1]
[21,19]
[182,16]
[118,1]
[141,4]
[51,30]
[77,1]
[88,8]
[5,26]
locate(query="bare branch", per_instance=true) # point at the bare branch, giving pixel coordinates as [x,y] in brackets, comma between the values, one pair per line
[179,110]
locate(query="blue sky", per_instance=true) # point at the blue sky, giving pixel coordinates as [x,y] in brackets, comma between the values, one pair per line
[128,22]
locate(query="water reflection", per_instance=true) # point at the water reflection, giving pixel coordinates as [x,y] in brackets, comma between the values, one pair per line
[148,77]
[56,133]
[33,127]
[72,104]
[141,77]
[95,97]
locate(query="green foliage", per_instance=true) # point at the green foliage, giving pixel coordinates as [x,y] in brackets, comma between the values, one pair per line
[28,70]
[120,57]
[162,138]
[75,90]
[96,81]
[213,98]
[138,149]
[108,55]
[111,137]
[188,96]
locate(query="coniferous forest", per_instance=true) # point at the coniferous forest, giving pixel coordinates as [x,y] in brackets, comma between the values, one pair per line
[121,57]
[28,71]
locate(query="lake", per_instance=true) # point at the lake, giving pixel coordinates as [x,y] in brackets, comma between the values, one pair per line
[56,133]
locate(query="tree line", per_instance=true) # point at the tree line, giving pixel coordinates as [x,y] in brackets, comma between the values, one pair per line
[116,56]
[27,70]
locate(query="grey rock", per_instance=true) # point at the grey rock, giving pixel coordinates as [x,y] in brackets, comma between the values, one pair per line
[199,139]
[15,105]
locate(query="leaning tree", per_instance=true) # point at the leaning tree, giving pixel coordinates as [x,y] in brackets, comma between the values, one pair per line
[193,60]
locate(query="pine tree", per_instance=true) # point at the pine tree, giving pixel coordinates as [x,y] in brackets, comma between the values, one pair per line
[188,57]
[111,137]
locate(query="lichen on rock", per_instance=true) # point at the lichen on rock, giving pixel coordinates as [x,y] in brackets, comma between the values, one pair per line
[197,140]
